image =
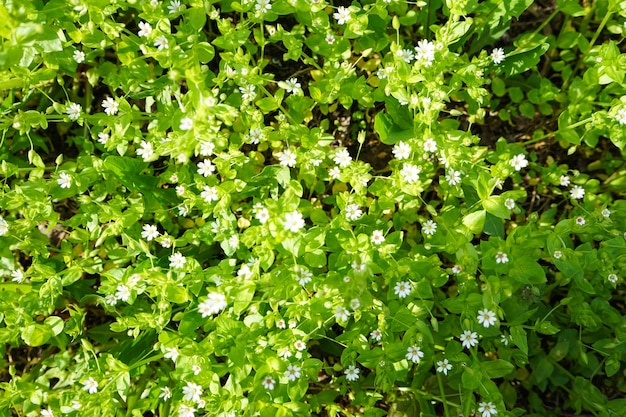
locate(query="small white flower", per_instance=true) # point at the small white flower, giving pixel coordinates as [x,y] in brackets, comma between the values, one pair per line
[110,106]
[410,173]
[557,254]
[186,411]
[144,29]
[293,221]
[263,6]
[248,92]
[293,86]
[376,334]
[352,373]
[287,158]
[406,55]
[497,55]
[284,353]
[293,372]
[519,161]
[612,278]
[255,136]
[577,192]
[334,173]
[79,56]
[174,6]
[358,267]
[73,110]
[268,383]
[456,269]
[180,190]
[504,339]
[90,385]
[469,339]
[487,409]
[402,150]
[621,115]
[4,226]
[402,289]
[486,317]
[353,212]
[502,258]
[65,180]
[606,213]
[414,354]
[161,43]
[207,148]
[186,123]
[342,158]
[17,275]
[171,353]
[564,180]
[281,324]
[177,261]
[453,177]
[213,304]
[342,15]
[303,276]
[209,194]
[580,220]
[166,393]
[444,366]
[192,392]
[509,203]
[299,345]
[429,227]
[145,150]
[430,145]
[262,215]
[341,313]
[425,51]
[103,138]
[330,39]
[149,232]
[377,237]
[123,293]
[47,412]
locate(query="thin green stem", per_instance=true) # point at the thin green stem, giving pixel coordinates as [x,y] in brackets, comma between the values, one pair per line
[446,411]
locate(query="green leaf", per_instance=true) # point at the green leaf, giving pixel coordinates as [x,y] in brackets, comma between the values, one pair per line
[495,205]
[475,222]
[388,131]
[519,338]
[518,62]
[527,271]
[497,368]
[176,294]
[36,334]
[243,295]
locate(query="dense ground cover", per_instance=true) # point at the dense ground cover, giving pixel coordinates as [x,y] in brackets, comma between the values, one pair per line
[303,207]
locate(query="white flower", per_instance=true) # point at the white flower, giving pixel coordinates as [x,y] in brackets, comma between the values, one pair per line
[342,158]
[353,212]
[186,411]
[192,392]
[262,214]
[263,6]
[293,221]
[402,289]
[161,43]
[430,145]
[180,189]
[299,345]
[486,317]
[110,299]
[352,373]
[453,177]
[334,173]
[284,353]
[207,148]
[509,203]
[103,138]
[213,304]
[580,220]
[358,267]
[487,409]
[410,173]
[342,15]
[17,275]
[414,354]
[425,51]
[376,334]
[469,339]
[293,372]
[621,116]
[287,158]
[606,213]
[377,237]
[268,383]
[4,226]
[519,161]
[174,6]
[209,194]
[341,313]
[65,180]
[612,278]
[149,232]
[90,385]
[557,254]
[110,106]
[406,55]
[429,227]
[255,136]
[248,92]
[186,123]
[281,324]
[444,366]
[171,353]
[564,180]
[166,393]
[456,269]
[144,29]
[47,412]
[177,261]
[122,293]
[293,86]
[497,55]
[402,150]
[330,39]
[501,258]
[73,110]
[355,303]
[145,150]
[303,276]
[577,192]
[79,56]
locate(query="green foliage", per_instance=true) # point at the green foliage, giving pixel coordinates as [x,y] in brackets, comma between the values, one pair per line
[295,208]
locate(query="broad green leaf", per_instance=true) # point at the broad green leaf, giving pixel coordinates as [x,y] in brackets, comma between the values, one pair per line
[497,368]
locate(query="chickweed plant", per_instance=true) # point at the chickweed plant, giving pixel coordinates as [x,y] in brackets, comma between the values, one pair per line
[312,208]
